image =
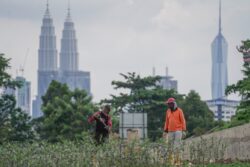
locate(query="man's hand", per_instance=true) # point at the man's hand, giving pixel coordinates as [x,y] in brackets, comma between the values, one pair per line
[184,134]
[164,135]
[102,120]
[96,114]
[108,128]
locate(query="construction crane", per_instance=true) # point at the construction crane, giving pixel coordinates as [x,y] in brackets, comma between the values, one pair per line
[22,67]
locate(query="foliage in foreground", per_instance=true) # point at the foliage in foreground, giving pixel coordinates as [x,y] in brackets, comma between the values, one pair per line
[77,154]
[144,95]
[235,164]
[243,88]
[65,113]
[87,154]
[199,151]
[198,116]
[14,123]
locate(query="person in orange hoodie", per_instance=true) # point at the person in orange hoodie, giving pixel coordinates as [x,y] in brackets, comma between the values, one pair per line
[175,127]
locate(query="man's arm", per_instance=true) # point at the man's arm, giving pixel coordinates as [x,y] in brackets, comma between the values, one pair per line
[109,125]
[183,121]
[93,117]
[110,122]
[166,123]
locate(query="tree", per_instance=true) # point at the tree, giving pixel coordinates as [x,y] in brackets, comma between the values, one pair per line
[22,127]
[5,79]
[198,116]
[65,113]
[243,88]
[143,96]
[14,124]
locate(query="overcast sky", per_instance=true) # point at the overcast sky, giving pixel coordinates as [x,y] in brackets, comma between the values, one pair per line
[120,36]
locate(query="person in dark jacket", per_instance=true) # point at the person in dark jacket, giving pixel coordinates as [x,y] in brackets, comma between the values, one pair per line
[103,124]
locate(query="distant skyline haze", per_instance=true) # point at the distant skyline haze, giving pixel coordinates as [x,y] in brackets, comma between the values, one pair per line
[120,36]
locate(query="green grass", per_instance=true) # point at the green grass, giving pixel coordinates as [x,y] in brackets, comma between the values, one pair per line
[76,154]
[235,164]
[86,154]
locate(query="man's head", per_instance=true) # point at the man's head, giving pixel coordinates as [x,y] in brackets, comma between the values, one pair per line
[106,109]
[171,103]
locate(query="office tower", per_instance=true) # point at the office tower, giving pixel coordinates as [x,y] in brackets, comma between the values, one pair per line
[167,81]
[219,63]
[22,94]
[69,59]
[23,99]
[222,108]
[47,60]
[69,54]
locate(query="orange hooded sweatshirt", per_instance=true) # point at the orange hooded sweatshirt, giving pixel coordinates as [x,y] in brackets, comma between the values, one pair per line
[175,121]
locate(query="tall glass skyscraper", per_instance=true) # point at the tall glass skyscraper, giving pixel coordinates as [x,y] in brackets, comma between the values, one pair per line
[48,69]
[22,94]
[69,53]
[219,64]
[47,52]
[69,59]
[47,61]
[222,108]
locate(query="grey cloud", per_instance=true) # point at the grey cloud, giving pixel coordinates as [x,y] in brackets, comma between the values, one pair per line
[118,12]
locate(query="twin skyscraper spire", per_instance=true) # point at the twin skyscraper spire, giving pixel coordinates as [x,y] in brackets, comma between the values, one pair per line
[69,56]
[47,52]
[68,70]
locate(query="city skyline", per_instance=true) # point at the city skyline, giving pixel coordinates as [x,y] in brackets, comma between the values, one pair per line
[130,36]
[48,69]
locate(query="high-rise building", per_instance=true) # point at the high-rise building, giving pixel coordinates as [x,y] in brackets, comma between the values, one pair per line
[69,54]
[69,59]
[22,95]
[222,108]
[48,69]
[47,60]
[47,53]
[167,81]
[219,63]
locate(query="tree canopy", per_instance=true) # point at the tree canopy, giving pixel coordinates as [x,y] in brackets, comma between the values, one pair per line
[242,87]
[14,123]
[143,95]
[65,113]
[199,118]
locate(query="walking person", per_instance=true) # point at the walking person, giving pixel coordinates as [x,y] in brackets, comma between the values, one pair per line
[103,124]
[175,127]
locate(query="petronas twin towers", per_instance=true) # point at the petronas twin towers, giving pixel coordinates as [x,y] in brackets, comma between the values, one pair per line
[48,69]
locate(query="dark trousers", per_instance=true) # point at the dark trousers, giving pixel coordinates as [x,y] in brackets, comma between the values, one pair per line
[101,137]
